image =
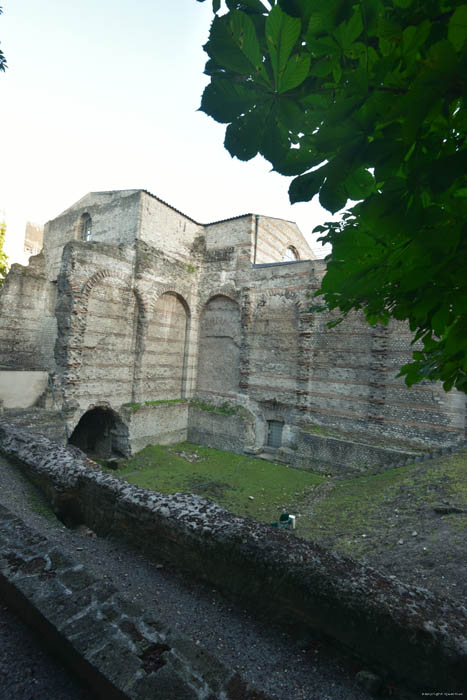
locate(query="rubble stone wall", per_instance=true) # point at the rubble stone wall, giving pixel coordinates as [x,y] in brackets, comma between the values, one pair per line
[417,637]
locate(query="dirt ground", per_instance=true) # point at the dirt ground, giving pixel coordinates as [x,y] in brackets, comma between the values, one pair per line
[410,522]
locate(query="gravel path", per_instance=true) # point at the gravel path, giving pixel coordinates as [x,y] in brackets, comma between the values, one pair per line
[27,671]
[265,655]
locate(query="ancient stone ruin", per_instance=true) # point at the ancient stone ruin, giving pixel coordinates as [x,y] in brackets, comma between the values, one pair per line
[139,325]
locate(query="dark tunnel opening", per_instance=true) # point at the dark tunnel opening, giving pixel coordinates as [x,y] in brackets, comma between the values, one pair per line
[102,434]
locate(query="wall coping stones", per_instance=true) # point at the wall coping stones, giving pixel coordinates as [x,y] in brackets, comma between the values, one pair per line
[416,636]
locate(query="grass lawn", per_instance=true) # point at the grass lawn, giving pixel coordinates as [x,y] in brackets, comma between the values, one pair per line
[243,485]
[347,515]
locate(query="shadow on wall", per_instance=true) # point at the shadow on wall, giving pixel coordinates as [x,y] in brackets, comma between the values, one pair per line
[101,433]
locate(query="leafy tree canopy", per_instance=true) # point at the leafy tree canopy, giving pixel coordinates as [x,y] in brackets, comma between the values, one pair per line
[363,100]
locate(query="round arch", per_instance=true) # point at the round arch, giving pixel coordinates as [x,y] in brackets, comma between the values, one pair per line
[291,254]
[101,433]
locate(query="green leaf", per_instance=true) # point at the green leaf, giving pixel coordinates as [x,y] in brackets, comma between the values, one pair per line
[304,188]
[224,100]
[325,16]
[296,71]
[347,32]
[233,43]
[457,28]
[244,34]
[440,320]
[359,184]
[322,68]
[403,3]
[282,33]
[296,8]
[296,160]
[414,37]
[332,195]
[244,136]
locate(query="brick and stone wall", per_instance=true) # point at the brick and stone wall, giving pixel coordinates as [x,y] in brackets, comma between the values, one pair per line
[158,307]
[114,219]
[274,236]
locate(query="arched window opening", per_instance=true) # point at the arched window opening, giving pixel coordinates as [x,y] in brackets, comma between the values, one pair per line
[290,254]
[85,232]
[101,434]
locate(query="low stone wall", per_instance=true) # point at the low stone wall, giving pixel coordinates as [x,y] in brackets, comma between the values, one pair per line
[335,455]
[116,648]
[417,637]
[163,423]
[220,430]
[22,389]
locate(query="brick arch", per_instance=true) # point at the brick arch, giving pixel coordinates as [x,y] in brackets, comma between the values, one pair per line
[294,250]
[286,294]
[142,298]
[103,348]
[230,293]
[98,277]
[154,298]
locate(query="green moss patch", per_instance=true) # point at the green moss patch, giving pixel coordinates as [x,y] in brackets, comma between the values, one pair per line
[359,516]
[225,408]
[244,485]
[164,401]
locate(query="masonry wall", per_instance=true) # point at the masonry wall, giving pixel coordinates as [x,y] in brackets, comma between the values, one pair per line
[224,428]
[164,360]
[296,371]
[165,228]
[219,347]
[162,424]
[115,220]
[159,308]
[27,318]
[236,234]
[274,236]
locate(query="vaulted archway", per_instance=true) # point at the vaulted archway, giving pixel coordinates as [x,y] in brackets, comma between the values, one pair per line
[101,433]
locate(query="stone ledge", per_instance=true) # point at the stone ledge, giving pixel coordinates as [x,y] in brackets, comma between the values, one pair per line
[419,638]
[117,649]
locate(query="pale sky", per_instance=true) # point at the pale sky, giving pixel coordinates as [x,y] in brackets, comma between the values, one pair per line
[103,95]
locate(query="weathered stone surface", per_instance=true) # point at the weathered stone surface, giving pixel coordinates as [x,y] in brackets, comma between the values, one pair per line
[110,642]
[417,636]
[22,389]
[132,303]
